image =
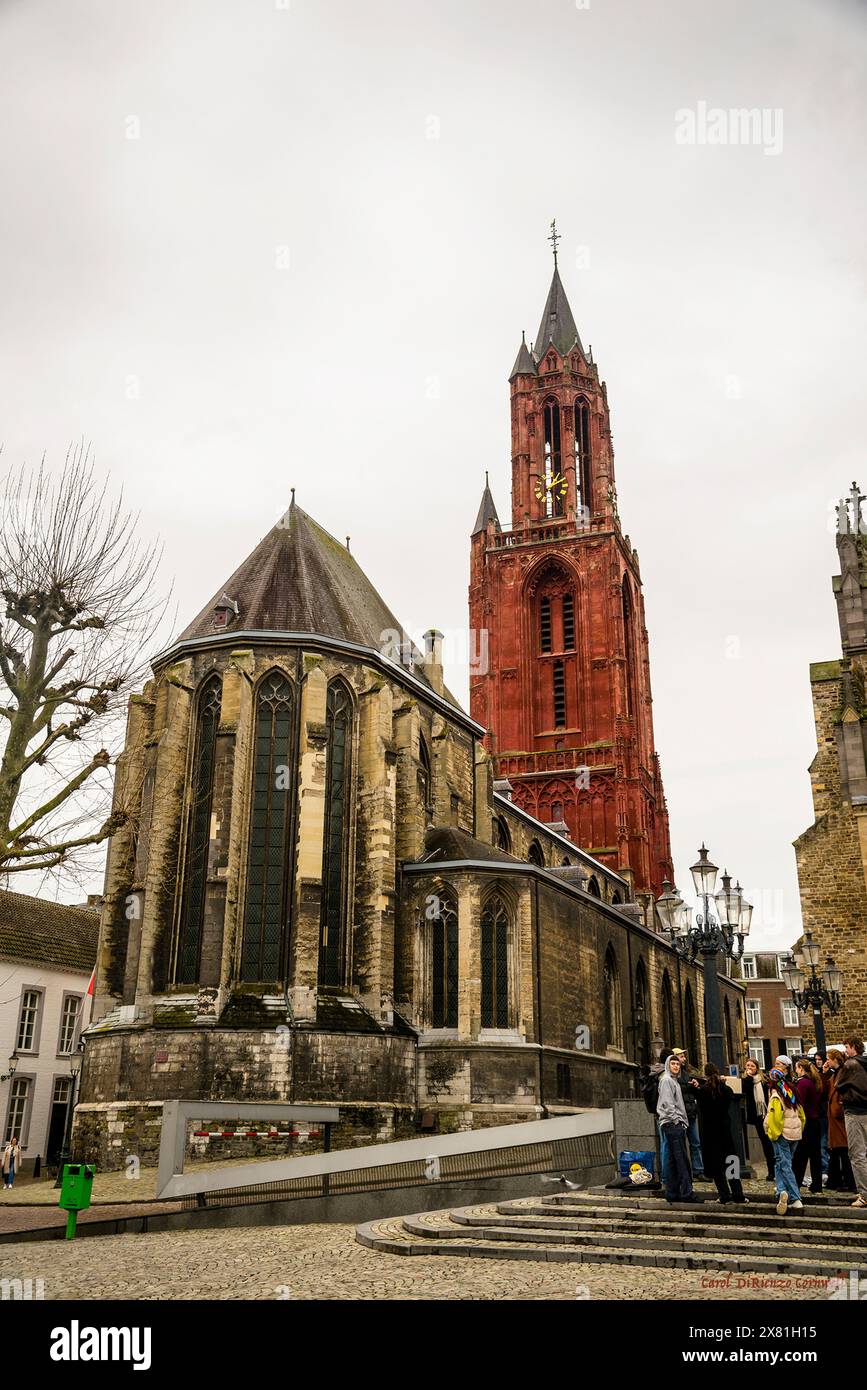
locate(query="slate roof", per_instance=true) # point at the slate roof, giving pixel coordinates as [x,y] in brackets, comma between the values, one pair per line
[46,933]
[444,843]
[300,578]
[558,325]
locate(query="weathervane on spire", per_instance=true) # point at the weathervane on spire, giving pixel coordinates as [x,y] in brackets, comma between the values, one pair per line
[554,238]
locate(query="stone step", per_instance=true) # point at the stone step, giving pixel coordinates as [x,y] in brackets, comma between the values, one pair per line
[708,1212]
[785,1232]
[841,1256]
[398,1237]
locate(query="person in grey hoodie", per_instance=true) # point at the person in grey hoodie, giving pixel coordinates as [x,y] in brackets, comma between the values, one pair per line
[674,1123]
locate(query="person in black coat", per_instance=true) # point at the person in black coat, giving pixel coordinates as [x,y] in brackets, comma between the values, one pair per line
[717,1144]
[755,1091]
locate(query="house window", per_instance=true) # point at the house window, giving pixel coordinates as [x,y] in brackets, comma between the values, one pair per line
[757,1050]
[545,624]
[199,833]
[267,873]
[754,1013]
[495,964]
[27,1020]
[69,1022]
[559,696]
[18,1097]
[444,966]
[568,623]
[748,968]
[336,843]
[791,1017]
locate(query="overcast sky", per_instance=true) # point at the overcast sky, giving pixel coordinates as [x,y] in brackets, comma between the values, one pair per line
[247,246]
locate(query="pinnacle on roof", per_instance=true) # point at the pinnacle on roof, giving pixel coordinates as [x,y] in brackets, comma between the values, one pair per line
[487,511]
[558,325]
[524,363]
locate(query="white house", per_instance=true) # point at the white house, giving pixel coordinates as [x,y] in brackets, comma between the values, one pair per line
[47,954]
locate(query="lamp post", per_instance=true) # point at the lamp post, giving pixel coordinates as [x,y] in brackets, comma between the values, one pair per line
[708,937]
[13,1066]
[817,990]
[74,1069]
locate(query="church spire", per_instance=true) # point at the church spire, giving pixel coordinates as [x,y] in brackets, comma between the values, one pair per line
[557,325]
[487,511]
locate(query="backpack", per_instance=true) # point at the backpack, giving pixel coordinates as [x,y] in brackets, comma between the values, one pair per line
[650,1091]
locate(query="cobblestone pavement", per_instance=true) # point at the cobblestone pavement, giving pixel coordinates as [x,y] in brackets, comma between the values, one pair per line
[326,1262]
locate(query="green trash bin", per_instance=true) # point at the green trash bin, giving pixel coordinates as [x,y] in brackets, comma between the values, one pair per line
[75,1192]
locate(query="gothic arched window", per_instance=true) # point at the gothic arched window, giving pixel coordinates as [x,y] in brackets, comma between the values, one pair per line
[265,908]
[424,780]
[553,460]
[612,1000]
[593,886]
[495,964]
[535,854]
[198,833]
[667,1010]
[335,850]
[501,831]
[642,1015]
[691,1040]
[444,963]
[628,645]
[582,452]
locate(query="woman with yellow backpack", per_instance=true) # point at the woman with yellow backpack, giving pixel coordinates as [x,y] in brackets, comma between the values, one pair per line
[784,1126]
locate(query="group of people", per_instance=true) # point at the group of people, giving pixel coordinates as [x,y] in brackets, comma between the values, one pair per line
[812,1114]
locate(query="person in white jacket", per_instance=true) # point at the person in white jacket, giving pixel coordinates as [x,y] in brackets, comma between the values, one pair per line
[674,1123]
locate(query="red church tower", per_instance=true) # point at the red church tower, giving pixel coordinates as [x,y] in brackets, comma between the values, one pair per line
[566,694]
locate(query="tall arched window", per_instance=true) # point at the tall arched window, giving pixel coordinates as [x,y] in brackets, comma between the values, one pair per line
[535,855]
[265,908]
[667,1010]
[628,645]
[568,623]
[335,850]
[501,832]
[582,452]
[593,886]
[612,1001]
[495,964]
[198,833]
[444,963]
[545,623]
[691,1040]
[554,483]
[642,1015]
[424,780]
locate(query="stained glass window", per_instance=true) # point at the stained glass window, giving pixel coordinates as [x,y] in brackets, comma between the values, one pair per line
[268,867]
[444,966]
[198,833]
[335,848]
[495,964]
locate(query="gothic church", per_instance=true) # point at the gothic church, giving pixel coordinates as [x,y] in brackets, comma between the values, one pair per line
[333,884]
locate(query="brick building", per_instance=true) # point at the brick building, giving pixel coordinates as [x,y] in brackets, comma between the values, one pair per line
[566,695]
[318,894]
[832,854]
[773,1024]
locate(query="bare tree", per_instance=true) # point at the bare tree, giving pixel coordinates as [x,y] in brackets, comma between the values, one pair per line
[79,615]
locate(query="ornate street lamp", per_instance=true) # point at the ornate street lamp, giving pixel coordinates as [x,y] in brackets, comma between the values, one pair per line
[13,1065]
[708,937]
[816,991]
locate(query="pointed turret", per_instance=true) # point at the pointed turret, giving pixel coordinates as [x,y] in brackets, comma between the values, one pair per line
[487,511]
[558,325]
[524,364]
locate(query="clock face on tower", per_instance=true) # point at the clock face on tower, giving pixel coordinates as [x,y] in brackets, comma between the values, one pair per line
[556,485]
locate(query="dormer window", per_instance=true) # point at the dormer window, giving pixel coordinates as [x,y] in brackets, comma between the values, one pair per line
[225,612]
